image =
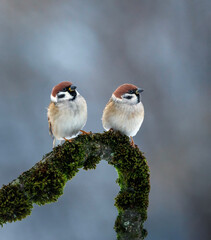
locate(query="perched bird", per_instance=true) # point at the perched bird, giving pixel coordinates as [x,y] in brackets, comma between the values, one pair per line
[67,112]
[124,112]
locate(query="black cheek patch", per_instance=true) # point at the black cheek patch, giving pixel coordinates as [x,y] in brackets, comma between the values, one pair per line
[128,97]
[61,95]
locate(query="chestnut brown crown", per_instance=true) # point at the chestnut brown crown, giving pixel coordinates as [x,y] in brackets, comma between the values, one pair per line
[124,88]
[59,87]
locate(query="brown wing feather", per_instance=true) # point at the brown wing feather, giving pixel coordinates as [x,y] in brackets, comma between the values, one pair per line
[109,102]
[51,108]
[50,127]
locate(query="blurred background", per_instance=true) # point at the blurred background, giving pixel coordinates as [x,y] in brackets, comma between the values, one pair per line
[161,46]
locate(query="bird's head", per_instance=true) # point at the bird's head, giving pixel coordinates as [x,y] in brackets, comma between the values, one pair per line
[64,91]
[127,94]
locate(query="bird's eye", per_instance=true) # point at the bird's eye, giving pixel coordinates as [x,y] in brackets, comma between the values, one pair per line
[128,97]
[131,91]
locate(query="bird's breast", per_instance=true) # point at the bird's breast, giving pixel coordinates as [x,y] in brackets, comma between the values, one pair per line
[124,118]
[68,118]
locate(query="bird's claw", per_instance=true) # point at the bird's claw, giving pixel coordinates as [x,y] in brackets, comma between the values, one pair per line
[69,140]
[85,133]
[132,142]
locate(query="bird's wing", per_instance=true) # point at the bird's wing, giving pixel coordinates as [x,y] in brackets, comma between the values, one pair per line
[109,103]
[50,127]
[51,105]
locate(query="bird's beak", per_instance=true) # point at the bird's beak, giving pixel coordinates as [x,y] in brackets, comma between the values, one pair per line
[72,88]
[139,90]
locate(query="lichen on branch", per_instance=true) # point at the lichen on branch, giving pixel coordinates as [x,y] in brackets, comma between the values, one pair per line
[44,182]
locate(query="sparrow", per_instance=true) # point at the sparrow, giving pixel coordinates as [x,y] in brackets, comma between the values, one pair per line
[67,112]
[124,111]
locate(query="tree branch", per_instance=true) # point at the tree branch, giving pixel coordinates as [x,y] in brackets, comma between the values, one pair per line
[45,181]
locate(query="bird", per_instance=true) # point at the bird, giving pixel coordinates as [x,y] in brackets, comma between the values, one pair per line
[67,112]
[124,111]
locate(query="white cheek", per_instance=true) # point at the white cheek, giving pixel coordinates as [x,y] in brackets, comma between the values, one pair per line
[66,97]
[115,99]
[133,100]
[53,99]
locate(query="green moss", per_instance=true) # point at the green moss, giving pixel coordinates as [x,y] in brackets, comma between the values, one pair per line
[68,158]
[119,226]
[14,204]
[133,179]
[44,183]
[91,162]
[144,232]
[133,174]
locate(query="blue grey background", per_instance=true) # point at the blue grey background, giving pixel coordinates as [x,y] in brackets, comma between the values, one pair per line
[161,46]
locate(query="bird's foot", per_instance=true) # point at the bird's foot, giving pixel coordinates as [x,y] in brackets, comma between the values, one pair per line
[69,140]
[111,129]
[132,142]
[85,133]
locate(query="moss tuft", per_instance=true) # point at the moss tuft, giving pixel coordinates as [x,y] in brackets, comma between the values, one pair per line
[14,204]
[68,158]
[133,173]
[91,162]
[144,232]
[43,184]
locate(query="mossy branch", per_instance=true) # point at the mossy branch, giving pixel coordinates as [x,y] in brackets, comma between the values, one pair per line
[44,182]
